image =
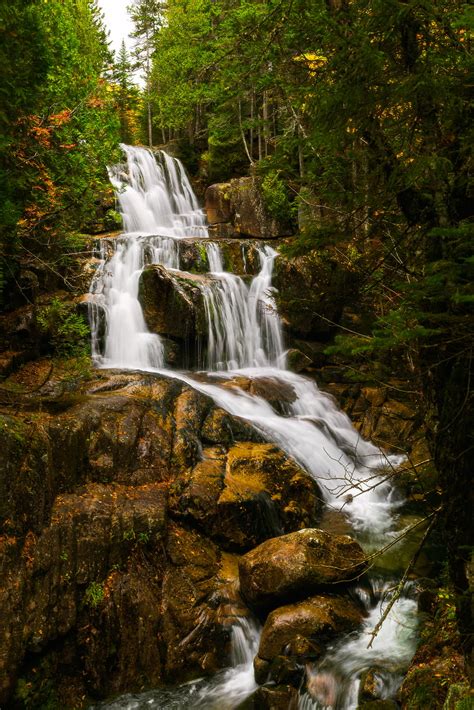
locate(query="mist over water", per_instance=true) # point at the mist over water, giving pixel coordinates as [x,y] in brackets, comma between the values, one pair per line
[245,340]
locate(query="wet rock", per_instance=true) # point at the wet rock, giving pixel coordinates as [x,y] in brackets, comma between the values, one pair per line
[315,621]
[55,580]
[101,586]
[298,361]
[223,230]
[195,642]
[239,256]
[281,669]
[277,393]
[240,203]
[293,566]
[172,302]
[369,687]
[279,697]
[217,206]
[247,495]
[223,428]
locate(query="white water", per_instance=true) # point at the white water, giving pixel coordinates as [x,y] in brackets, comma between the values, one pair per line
[155,195]
[245,340]
[243,325]
[225,691]
[335,682]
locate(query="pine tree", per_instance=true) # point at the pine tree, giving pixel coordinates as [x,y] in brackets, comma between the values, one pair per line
[147,16]
[126,94]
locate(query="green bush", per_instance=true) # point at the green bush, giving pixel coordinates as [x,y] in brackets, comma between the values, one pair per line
[66,330]
[275,196]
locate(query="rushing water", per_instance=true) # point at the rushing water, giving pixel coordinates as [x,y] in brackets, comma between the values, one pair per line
[245,340]
[243,325]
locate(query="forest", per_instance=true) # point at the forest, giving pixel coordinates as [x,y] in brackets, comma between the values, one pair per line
[353,121]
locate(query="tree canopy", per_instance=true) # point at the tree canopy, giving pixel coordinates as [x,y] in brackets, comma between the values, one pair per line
[58,124]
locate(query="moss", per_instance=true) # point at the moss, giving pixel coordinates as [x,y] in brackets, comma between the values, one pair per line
[94,594]
[437,672]
[203,255]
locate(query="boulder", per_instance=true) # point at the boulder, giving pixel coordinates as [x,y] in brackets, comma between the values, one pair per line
[301,630]
[298,361]
[240,203]
[296,565]
[369,687]
[277,393]
[172,302]
[275,697]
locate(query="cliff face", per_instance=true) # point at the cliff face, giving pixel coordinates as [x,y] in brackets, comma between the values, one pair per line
[123,505]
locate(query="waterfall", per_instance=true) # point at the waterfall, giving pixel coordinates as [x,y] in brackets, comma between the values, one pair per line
[245,339]
[335,681]
[155,195]
[243,325]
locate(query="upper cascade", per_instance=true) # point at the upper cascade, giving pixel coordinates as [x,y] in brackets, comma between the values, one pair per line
[159,209]
[155,195]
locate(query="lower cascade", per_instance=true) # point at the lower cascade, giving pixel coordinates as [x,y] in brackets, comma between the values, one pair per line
[242,339]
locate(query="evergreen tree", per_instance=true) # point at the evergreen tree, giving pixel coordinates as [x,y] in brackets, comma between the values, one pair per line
[147,16]
[126,95]
[59,133]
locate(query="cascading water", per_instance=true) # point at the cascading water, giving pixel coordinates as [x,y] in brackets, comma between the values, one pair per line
[335,682]
[155,195]
[243,327]
[245,339]
[158,207]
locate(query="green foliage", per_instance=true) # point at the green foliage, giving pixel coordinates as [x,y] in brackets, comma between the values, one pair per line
[275,196]
[56,134]
[126,96]
[113,220]
[66,330]
[143,538]
[94,594]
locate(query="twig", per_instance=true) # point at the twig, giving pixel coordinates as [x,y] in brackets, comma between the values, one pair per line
[401,584]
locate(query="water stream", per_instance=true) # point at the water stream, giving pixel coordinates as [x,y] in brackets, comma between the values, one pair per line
[245,340]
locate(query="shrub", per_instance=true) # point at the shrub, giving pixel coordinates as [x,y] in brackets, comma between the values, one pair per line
[66,330]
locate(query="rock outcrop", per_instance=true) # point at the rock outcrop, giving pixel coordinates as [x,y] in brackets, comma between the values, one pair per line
[172,302]
[236,208]
[312,294]
[297,633]
[246,495]
[118,501]
[239,256]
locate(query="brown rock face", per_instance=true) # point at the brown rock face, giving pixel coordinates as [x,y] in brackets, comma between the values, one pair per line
[172,302]
[292,566]
[240,256]
[116,502]
[279,697]
[310,287]
[240,203]
[246,495]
